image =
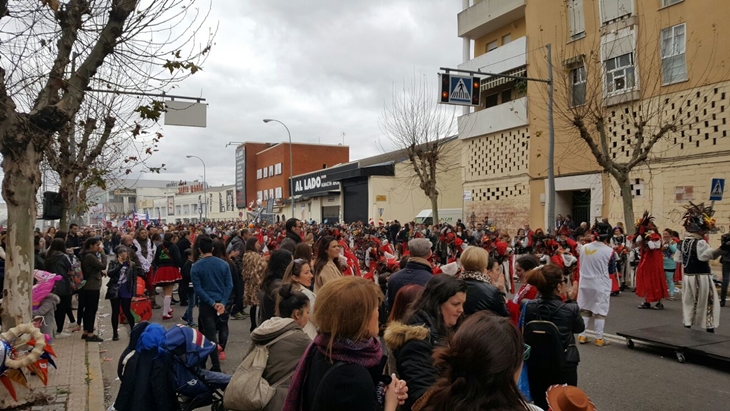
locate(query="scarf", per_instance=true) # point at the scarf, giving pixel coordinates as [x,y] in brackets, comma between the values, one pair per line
[475,275]
[419,260]
[366,353]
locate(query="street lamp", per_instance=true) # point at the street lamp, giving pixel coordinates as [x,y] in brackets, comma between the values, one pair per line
[205,185]
[291,167]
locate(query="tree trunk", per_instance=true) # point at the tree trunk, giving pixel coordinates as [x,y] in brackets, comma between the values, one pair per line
[435,207]
[624,184]
[20,184]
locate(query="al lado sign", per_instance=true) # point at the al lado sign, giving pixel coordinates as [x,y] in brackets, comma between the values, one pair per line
[314,184]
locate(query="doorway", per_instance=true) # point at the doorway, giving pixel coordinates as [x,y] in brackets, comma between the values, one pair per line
[581,206]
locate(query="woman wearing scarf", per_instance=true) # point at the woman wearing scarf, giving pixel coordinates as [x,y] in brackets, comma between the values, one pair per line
[485,283]
[342,368]
[146,250]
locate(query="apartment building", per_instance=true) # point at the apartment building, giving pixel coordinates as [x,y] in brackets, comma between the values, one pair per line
[653,62]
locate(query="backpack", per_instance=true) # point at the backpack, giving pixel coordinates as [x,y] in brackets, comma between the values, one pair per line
[547,355]
[76,277]
[248,390]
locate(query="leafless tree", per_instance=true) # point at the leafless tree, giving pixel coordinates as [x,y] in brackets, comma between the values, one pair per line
[153,43]
[415,123]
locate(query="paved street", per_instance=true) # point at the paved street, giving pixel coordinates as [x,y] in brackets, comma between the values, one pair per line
[615,377]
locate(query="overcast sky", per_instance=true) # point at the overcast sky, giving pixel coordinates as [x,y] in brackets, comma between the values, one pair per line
[323,67]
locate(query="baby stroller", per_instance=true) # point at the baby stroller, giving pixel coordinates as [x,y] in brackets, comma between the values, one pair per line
[160,370]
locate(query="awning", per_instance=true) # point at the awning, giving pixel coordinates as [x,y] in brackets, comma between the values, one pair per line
[493,82]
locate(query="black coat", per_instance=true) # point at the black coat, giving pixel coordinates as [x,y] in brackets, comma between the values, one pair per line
[413,273]
[147,384]
[412,345]
[481,296]
[565,316]
[349,387]
[58,263]
[294,237]
[133,271]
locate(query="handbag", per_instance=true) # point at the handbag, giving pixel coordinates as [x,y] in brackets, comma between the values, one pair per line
[248,390]
[112,291]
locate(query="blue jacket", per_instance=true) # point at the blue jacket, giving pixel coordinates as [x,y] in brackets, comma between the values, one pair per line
[413,273]
[212,281]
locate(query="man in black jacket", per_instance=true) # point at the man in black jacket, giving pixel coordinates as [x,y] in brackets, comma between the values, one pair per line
[417,271]
[294,230]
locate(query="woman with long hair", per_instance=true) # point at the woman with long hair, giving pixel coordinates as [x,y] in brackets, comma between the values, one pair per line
[553,287]
[299,275]
[167,264]
[121,288]
[342,368]
[92,266]
[58,262]
[433,318]
[304,251]
[325,264]
[146,250]
[479,373]
[523,265]
[253,270]
[278,262]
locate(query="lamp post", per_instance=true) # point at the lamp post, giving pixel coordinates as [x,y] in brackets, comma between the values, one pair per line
[205,185]
[291,162]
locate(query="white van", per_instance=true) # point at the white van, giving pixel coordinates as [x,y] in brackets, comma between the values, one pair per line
[446,215]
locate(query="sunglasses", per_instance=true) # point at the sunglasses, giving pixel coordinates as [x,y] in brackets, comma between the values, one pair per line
[526,355]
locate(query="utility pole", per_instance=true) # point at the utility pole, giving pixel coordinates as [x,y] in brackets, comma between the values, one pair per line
[551,145]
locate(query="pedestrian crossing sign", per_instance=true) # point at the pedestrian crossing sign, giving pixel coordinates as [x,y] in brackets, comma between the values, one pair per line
[459,90]
[716,189]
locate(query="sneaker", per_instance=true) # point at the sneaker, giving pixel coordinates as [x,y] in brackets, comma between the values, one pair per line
[83,336]
[115,337]
[645,306]
[222,355]
[582,339]
[166,317]
[600,342]
[93,338]
[659,306]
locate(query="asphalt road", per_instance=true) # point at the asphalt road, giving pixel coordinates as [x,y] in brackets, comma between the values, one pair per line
[615,377]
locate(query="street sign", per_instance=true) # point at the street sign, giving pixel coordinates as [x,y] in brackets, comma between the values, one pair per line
[459,90]
[716,189]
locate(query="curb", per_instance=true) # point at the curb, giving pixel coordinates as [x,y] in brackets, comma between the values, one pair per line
[95,398]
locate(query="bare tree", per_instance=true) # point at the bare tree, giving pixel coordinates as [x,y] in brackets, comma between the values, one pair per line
[415,123]
[41,91]
[598,109]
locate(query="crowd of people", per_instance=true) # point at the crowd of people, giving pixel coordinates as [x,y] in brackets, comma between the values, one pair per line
[384,316]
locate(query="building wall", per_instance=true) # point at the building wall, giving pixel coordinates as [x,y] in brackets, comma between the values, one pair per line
[251,182]
[515,29]
[700,103]
[307,158]
[404,199]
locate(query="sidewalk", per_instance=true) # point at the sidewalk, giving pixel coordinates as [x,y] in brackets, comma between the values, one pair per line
[77,383]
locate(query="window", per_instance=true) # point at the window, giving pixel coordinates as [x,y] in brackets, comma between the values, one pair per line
[278,193]
[277,168]
[271,171]
[506,39]
[674,63]
[492,45]
[271,193]
[266,172]
[666,3]
[576,21]
[620,73]
[259,174]
[491,100]
[577,86]
[178,210]
[614,9]
[259,195]
[506,96]
[195,208]
[186,209]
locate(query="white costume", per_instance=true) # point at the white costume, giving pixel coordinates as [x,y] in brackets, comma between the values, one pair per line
[700,305]
[597,261]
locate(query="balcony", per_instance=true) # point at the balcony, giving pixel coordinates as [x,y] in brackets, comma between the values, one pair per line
[488,15]
[494,119]
[510,56]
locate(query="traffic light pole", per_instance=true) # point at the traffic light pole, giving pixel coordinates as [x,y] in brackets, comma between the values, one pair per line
[550,195]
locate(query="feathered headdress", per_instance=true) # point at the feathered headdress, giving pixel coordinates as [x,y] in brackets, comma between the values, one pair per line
[698,218]
[642,224]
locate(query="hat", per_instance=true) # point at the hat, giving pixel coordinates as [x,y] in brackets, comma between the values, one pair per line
[603,230]
[698,218]
[568,398]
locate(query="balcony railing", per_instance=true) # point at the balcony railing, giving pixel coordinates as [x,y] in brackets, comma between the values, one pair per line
[488,15]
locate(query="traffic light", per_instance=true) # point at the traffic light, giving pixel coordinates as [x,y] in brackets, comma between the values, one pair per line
[445,82]
[475,88]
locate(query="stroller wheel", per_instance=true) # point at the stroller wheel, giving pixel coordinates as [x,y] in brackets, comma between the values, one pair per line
[217,406]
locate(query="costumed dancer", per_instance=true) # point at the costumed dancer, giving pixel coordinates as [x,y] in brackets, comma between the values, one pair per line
[598,262]
[651,283]
[700,304]
[618,242]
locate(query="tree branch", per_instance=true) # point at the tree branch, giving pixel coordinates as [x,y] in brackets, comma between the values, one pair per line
[89,127]
[663,130]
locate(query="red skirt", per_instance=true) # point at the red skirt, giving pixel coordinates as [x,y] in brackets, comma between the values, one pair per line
[167,275]
[651,282]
